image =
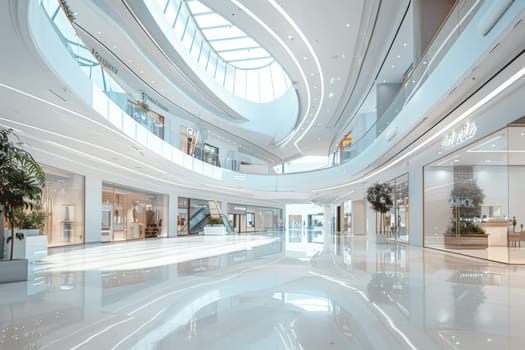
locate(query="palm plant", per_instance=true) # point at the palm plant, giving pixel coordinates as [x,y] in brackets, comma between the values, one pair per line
[21,182]
[380,198]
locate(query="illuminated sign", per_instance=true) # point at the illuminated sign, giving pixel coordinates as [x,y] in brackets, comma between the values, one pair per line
[458,136]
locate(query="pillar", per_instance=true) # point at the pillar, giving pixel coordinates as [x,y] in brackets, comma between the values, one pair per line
[173,212]
[358,217]
[93,209]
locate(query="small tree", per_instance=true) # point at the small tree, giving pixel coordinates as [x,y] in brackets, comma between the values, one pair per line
[380,198]
[21,182]
[466,199]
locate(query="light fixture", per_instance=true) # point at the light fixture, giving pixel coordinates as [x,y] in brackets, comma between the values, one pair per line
[405,44]
[305,58]
[393,66]
[348,25]
[290,37]
[398,56]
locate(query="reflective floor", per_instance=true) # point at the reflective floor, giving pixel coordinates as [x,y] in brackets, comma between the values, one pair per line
[299,290]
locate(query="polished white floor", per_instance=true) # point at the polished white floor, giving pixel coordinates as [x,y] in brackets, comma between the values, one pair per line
[299,290]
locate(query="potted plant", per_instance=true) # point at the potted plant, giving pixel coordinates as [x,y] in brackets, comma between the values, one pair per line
[21,182]
[215,226]
[464,231]
[380,198]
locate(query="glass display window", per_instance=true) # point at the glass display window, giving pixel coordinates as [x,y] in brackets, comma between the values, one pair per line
[63,207]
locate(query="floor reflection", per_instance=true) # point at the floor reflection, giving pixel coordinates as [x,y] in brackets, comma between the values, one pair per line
[299,289]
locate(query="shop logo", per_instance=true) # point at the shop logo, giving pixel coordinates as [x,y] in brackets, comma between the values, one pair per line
[458,136]
[460,202]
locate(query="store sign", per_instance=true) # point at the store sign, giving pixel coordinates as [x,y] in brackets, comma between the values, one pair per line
[458,136]
[239,208]
[104,62]
[460,202]
[154,101]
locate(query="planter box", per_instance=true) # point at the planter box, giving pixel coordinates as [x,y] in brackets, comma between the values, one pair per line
[215,230]
[13,270]
[467,241]
[32,247]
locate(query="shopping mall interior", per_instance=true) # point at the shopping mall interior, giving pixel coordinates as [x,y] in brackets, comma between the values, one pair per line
[280,174]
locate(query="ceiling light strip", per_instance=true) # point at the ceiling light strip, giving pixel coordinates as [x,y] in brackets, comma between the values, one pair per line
[317,63]
[283,142]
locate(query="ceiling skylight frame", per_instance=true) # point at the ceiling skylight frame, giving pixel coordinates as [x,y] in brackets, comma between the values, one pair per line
[251,55]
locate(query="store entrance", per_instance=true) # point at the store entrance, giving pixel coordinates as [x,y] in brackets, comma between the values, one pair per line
[239,223]
[130,214]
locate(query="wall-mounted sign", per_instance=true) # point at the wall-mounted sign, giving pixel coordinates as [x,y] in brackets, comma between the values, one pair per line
[104,62]
[154,101]
[458,136]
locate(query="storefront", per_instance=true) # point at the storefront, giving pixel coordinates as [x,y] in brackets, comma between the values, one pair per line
[194,213]
[62,207]
[129,213]
[398,217]
[246,218]
[473,197]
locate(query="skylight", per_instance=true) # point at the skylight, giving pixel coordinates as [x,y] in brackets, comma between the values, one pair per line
[225,52]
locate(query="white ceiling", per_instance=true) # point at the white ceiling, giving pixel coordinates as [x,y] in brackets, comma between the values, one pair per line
[328,42]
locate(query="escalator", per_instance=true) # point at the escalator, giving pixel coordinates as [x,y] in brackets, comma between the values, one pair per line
[227,224]
[198,221]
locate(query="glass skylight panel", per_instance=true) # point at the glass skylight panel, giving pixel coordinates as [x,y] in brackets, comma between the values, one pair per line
[225,45]
[232,56]
[196,7]
[223,33]
[225,52]
[211,21]
[255,64]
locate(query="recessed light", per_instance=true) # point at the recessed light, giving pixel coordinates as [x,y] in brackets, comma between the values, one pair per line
[493,145]
[330,95]
[523,133]
[315,86]
[290,37]
[343,55]
[312,74]
[456,160]
[405,44]
[114,46]
[424,62]
[129,60]
[398,56]
[99,32]
[348,25]
[393,66]
[153,81]
[142,71]
[305,58]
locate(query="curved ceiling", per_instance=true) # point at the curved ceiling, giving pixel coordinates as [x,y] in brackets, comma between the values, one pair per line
[305,39]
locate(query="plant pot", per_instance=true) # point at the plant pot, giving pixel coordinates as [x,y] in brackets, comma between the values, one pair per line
[32,247]
[467,241]
[13,270]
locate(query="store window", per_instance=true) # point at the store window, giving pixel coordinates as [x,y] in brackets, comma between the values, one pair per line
[63,207]
[129,213]
[398,217]
[474,198]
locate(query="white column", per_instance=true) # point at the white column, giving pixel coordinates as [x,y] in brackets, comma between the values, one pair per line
[415,206]
[93,209]
[173,212]
[358,217]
